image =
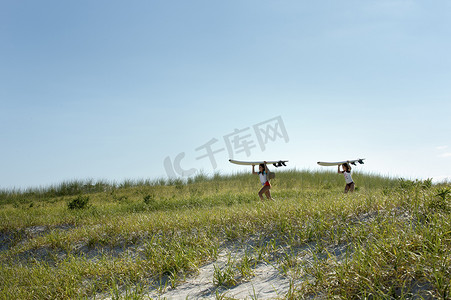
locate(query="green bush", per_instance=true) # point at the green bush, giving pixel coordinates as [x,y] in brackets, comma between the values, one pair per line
[148,199]
[78,203]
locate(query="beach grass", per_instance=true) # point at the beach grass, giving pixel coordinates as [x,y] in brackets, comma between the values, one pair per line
[391,238]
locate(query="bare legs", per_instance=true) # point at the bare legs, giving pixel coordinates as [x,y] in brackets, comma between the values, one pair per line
[265,190]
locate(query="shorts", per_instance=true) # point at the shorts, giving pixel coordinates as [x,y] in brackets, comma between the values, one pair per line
[349,187]
[266,183]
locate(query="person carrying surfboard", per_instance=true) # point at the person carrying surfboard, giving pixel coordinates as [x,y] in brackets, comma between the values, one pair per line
[347,174]
[264,179]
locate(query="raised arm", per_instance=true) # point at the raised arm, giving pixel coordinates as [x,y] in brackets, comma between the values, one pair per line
[253,170]
[341,172]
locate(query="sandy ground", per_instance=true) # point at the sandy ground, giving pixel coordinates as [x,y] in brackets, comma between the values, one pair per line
[267,283]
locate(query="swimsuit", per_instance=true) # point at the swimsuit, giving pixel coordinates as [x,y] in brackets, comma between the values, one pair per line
[348,177]
[263,178]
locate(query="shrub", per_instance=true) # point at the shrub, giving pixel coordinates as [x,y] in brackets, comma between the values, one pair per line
[440,202]
[78,203]
[149,199]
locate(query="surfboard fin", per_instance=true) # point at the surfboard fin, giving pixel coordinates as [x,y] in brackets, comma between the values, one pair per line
[279,164]
[360,161]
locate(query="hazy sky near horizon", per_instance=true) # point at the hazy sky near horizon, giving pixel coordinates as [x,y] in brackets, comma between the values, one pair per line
[114,90]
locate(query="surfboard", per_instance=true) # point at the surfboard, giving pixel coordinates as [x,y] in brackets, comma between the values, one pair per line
[275,163]
[337,163]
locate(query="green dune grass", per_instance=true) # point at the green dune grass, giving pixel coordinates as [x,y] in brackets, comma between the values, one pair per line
[82,239]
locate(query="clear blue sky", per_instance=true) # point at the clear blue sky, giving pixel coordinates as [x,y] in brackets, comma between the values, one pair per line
[112,90]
